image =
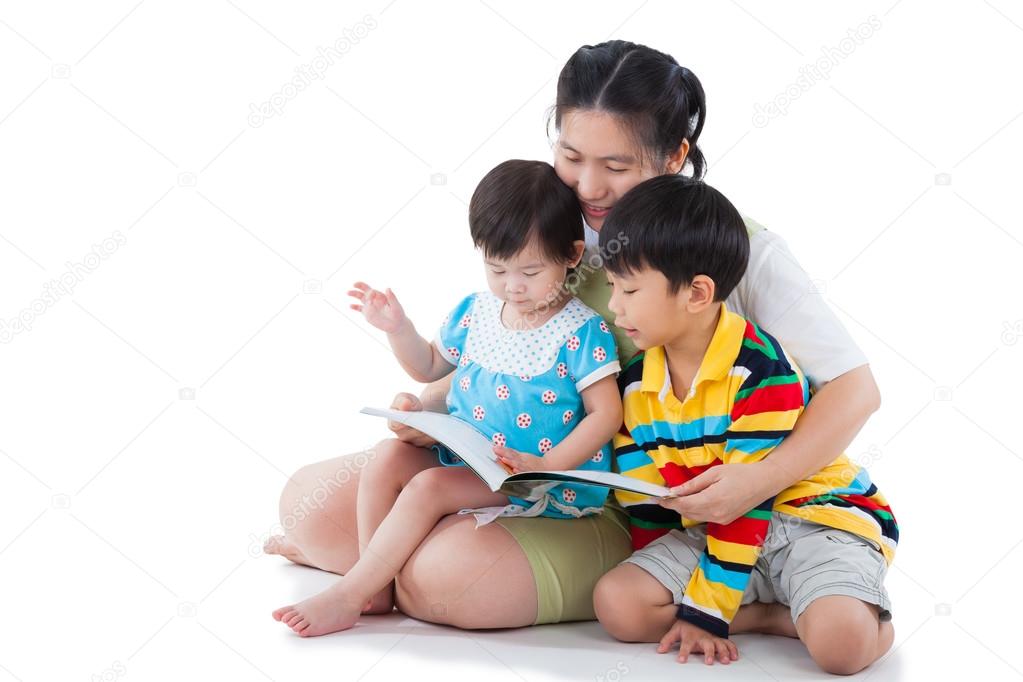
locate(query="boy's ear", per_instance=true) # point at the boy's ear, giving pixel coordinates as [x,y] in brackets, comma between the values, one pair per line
[701,293]
[580,247]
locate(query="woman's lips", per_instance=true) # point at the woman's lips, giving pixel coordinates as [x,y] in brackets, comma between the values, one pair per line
[595,211]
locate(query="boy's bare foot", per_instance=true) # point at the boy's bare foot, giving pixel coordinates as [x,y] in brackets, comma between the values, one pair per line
[770,619]
[329,611]
[278,544]
[382,602]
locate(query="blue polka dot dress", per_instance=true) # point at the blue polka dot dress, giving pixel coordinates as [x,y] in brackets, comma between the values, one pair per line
[521,388]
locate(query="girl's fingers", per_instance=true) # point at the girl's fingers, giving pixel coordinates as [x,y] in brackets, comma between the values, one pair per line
[356,307]
[362,285]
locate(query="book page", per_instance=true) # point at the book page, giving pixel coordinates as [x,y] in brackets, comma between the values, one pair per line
[606,479]
[461,438]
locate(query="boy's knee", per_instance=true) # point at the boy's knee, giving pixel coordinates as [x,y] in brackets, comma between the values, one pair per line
[617,609]
[841,636]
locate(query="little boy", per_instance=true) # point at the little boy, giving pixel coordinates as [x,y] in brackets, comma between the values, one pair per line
[710,388]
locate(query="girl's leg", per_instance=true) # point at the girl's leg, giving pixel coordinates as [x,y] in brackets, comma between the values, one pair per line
[844,634]
[428,496]
[395,464]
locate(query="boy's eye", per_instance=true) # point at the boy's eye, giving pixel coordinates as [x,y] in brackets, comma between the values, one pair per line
[497,272]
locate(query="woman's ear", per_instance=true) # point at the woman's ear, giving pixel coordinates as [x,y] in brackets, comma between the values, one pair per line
[580,247]
[677,159]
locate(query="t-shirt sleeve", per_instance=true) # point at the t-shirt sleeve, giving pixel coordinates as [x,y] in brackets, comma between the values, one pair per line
[591,353]
[779,296]
[764,411]
[450,338]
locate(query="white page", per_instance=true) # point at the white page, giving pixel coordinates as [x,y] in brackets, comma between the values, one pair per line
[461,438]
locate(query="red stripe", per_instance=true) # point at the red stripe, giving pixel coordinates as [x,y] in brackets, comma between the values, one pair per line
[641,537]
[675,474]
[770,399]
[743,530]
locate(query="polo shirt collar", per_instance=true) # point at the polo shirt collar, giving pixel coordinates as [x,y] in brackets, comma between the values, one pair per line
[717,361]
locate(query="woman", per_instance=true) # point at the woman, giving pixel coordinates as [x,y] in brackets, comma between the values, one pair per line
[624,113]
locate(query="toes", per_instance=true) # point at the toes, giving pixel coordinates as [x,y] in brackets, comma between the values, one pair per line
[273,544]
[293,618]
[283,611]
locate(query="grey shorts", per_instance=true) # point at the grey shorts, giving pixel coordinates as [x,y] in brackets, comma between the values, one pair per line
[800,561]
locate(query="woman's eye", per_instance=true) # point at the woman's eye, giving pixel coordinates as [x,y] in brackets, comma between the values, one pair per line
[571,160]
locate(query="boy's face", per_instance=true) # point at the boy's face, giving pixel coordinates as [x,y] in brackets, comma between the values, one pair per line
[528,281]
[646,309]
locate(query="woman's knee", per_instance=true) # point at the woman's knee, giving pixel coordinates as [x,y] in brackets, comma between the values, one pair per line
[842,634]
[468,578]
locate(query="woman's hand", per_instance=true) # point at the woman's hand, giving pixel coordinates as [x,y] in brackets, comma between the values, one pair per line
[518,462]
[722,493]
[381,309]
[406,402]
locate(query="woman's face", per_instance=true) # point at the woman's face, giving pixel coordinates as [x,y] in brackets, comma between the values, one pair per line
[597,159]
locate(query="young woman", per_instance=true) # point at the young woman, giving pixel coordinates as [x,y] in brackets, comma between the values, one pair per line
[624,113]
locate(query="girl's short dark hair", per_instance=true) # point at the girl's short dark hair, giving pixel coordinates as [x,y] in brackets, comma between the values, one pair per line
[660,102]
[519,201]
[680,227]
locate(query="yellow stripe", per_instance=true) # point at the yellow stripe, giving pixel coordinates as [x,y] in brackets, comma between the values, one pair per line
[733,552]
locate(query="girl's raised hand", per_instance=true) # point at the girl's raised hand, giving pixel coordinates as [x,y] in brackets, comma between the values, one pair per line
[380,308]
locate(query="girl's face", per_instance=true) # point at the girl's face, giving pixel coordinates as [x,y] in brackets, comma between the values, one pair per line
[528,281]
[599,160]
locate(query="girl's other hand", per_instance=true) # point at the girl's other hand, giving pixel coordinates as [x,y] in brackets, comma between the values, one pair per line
[518,462]
[380,308]
[406,402]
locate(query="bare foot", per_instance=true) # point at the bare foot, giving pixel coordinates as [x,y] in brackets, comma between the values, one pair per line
[382,601]
[278,544]
[329,611]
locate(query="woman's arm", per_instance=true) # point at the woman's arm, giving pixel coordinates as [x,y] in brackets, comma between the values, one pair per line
[827,426]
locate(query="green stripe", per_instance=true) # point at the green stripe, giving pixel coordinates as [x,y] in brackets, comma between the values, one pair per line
[780,380]
[762,514]
[650,524]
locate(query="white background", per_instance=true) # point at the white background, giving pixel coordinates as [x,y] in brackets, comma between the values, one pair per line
[131,517]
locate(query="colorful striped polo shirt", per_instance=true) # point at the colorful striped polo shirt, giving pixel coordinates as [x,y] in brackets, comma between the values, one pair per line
[744,400]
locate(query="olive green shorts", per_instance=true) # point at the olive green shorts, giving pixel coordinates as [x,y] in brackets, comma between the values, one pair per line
[568,557]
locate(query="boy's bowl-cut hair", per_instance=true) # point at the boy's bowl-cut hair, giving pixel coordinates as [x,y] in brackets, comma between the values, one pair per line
[680,227]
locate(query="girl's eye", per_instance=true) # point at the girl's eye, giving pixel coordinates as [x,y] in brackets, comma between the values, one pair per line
[626,291]
[617,170]
[530,274]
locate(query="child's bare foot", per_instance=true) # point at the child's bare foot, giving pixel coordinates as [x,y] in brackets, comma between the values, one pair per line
[770,619]
[382,602]
[329,611]
[278,544]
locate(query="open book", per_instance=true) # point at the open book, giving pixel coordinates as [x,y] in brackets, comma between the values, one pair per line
[477,452]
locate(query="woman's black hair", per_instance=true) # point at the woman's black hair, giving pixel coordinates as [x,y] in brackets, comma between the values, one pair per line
[680,227]
[660,102]
[519,201]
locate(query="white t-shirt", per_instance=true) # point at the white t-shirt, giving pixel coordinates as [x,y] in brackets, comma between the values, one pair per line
[777,294]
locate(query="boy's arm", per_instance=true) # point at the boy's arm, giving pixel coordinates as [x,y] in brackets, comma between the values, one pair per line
[764,411]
